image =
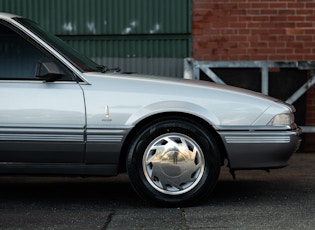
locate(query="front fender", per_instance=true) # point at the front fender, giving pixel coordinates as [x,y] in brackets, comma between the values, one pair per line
[172,106]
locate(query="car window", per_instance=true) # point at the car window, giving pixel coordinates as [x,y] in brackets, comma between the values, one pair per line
[83,63]
[19,57]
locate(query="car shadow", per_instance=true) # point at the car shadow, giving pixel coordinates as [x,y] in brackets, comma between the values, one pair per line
[117,192]
[68,191]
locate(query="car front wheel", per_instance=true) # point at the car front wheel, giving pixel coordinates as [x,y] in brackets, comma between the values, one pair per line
[173,162]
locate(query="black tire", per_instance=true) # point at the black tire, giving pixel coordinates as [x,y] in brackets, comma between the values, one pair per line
[173,162]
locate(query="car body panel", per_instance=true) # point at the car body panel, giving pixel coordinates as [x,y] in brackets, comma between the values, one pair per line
[145,96]
[39,124]
[157,97]
[82,126]
[260,149]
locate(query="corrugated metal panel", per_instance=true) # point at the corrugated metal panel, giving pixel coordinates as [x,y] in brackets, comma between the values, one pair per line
[78,17]
[126,30]
[172,67]
[133,47]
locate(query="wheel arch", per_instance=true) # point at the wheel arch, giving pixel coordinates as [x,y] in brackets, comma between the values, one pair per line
[169,115]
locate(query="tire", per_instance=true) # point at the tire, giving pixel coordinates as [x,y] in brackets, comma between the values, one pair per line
[173,162]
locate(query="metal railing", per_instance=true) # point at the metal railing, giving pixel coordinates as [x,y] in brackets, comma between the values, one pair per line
[193,67]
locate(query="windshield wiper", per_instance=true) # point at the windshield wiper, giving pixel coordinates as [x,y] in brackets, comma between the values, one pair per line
[104,69]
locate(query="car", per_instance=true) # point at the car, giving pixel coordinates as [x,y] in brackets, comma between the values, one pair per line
[63,114]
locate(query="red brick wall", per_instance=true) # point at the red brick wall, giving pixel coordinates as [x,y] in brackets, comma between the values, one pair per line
[253,29]
[248,30]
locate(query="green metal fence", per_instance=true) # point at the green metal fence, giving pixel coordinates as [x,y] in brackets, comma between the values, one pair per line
[114,28]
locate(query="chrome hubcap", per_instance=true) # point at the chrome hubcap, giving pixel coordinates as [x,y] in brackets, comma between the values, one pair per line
[173,163]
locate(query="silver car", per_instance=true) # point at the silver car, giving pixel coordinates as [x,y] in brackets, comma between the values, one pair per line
[62,114]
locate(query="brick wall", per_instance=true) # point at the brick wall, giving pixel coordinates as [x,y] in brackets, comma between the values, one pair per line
[253,29]
[248,30]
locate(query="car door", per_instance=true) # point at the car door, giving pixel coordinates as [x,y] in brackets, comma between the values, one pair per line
[40,122]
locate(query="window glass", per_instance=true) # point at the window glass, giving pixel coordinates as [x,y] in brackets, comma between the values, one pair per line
[82,62]
[18,57]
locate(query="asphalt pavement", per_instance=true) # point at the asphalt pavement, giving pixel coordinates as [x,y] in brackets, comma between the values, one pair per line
[281,199]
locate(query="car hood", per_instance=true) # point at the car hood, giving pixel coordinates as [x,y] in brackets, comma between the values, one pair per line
[177,82]
[145,95]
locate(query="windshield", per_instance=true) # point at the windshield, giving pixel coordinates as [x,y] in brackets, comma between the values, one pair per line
[80,61]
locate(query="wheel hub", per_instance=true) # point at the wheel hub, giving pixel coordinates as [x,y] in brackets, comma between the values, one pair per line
[173,163]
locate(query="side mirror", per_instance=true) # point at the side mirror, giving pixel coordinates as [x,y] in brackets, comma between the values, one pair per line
[48,71]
